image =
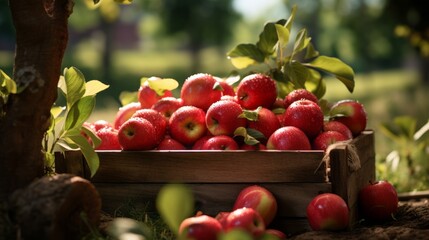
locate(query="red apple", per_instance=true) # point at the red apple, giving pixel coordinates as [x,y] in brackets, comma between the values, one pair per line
[167,106]
[201,227]
[247,219]
[288,138]
[277,234]
[147,96]
[265,121]
[169,143]
[260,199]
[157,119]
[198,145]
[137,134]
[305,115]
[188,124]
[328,211]
[299,94]
[199,90]
[99,124]
[324,139]
[109,139]
[124,113]
[256,147]
[220,142]
[227,90]
[338,127]
[378,201]
[256,90]
[351,113]
[221,217]
[222,118]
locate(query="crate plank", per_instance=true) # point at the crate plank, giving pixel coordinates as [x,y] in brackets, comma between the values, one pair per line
[293,198]
[209,166]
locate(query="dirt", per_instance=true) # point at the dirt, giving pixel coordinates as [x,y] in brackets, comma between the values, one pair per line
[411,222]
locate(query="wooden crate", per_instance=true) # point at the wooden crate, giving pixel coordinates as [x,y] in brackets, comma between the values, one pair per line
[216,177]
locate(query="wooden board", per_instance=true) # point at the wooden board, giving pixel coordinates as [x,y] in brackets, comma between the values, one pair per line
[216,177]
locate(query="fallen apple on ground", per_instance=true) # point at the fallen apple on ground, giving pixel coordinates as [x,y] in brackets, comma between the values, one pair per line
[329,212]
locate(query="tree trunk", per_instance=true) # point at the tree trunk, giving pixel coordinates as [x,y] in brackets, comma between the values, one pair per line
[41,40]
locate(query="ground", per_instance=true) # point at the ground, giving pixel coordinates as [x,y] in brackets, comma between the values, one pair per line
[411,222]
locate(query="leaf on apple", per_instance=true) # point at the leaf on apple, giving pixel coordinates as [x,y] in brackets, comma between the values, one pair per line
[344,110]
[250,135]
[245,55]
[160,85]
[251,115]
[217,86]
[175,202]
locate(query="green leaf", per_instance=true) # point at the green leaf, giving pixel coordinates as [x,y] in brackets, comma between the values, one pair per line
[311,52]
[88,152]
[343,110]
[126,97]
[316,84]
[268,39]
[67,144]
[301,41]
[96,141]
[127,228]
[336,67]
[245,55]
[248,138]
[8,84]
[297,73]
[251,115]
[282,34]
[160,85]
[93,87]
[56,111]
[406,125]
[79,112]
[175,202]
[74,85]
[422,131]
[123,1]
[291,18]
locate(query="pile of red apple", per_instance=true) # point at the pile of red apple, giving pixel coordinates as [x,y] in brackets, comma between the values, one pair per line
[212,115]
[256,207]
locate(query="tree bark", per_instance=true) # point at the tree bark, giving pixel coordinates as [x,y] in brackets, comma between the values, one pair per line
[41,40]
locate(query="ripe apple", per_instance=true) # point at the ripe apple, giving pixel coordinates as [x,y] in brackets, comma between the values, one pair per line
[157,119]
[188,124]
[167,106]
[147,96]
[198,145]
[199,90]
[256,147]
[265,121]
[305,115]
[256,90]
[202,227]
[299,94]
[247,219]
[260,199]
[324,139]
[109,139]
[277,234]
[137,134]
[227,90]
[99,124]
[351,113]
[221,217]
[288,138]
[169,143]
[222,118]
[124,113]
[328,211]
[378,201]
[338,127]
[220,142]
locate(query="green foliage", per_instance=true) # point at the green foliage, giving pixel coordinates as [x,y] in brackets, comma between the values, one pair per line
[67,122]
[175,202]
[7,87]
[407,166]
[293,65]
